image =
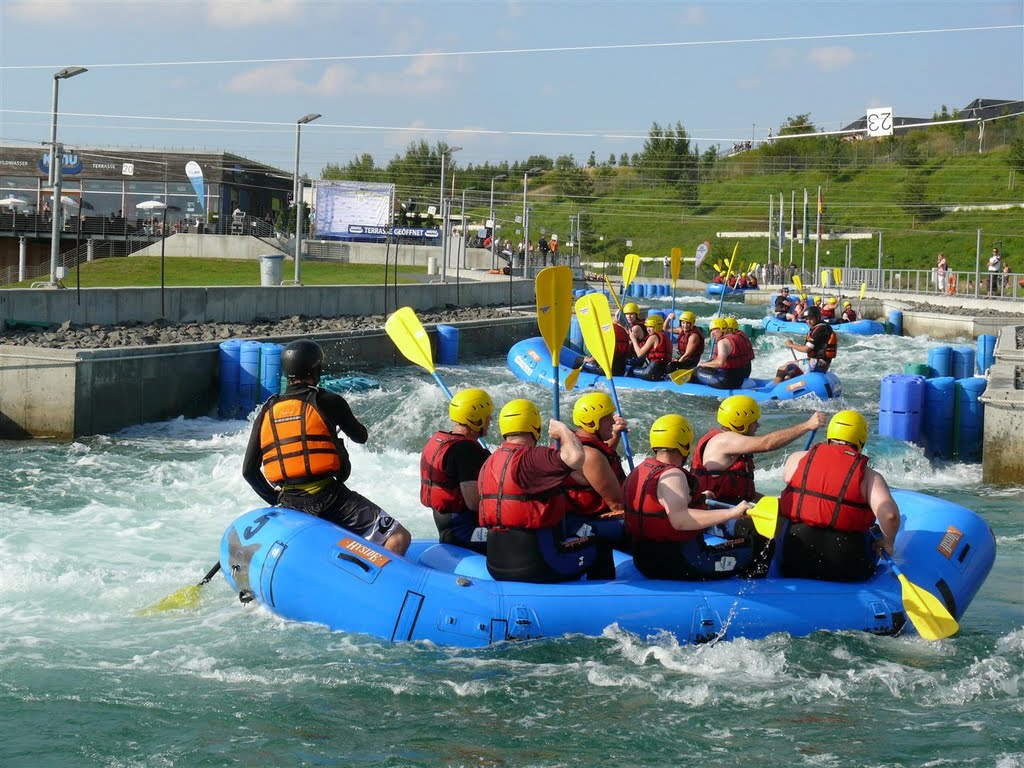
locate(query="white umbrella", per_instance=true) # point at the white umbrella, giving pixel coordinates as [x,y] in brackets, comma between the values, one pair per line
[68,201]
[151,205]
[13,202]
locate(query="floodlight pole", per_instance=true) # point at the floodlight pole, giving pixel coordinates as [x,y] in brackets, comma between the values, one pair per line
[297,195]
[494,223]
[55,171]
[444,215]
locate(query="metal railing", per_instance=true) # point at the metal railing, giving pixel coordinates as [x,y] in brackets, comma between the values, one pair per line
[1005,286]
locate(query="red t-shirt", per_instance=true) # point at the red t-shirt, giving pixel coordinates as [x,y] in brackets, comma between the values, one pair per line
[542,469]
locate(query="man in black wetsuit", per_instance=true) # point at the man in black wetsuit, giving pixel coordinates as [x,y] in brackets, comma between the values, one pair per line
[296,458]
[820,346]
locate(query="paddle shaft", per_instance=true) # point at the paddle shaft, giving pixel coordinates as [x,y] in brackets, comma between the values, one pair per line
[625,435]
[209,575]
[810,439]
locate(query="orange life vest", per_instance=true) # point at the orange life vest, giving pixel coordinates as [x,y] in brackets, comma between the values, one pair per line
[437,490]
[826,490]
[829,353]
[646,519]
[733,484]
[297,444]
[504,503]
[583,499]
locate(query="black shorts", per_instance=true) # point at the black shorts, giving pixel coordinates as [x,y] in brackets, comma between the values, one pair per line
[339,504]
[807,552]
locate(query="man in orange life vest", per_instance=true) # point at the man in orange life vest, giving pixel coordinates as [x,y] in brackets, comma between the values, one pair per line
[295,457]
[656,350]
[730,364]
[690,343]
[820,346]
[595,490]
[723,459]
[665,516]
[831,503]
[522,503]
[449,467]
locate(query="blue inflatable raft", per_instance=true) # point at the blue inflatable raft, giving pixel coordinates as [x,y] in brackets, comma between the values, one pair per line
[859,327]
[530,360]
[303,568]
[714,290]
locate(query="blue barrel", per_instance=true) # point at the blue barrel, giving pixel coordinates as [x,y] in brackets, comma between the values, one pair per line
[968,419]
[901,404]
[986,352]
[665,289]
[650,290]
[940,360]
[270,370]
[656,313]
[248,378]
[937,416]
[962,362]
[447,345]
[896,319]
[230,359]
[579,292]
[575,334]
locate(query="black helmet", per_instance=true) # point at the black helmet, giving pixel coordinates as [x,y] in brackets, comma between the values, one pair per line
[811,311]
[301,358]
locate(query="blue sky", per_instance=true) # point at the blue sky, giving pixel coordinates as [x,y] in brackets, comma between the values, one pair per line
[235,75]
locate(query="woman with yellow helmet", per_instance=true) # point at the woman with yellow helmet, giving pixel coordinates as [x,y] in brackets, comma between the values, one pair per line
[690,343]
[656,351]
[729,366]
[831,503]
[665,515]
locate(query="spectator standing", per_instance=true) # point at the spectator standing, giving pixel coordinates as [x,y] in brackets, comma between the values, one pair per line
[941,268]
[994,268]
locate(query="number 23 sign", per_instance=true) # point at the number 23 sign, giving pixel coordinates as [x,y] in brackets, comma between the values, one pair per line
[879,121]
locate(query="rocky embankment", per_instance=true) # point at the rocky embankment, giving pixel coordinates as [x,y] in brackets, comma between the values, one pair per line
[71,336]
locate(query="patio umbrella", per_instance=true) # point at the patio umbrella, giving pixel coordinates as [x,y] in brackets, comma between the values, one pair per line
[13,202]
[150,205]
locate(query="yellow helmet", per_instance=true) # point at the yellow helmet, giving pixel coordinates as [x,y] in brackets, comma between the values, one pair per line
[846,304]
[672,432]
[687,317]
[738,412]
[833,300]
[732,323]
[719,324]
[849,427]
[519,416]
[590,409]
[631,309]
[471,407]
[657,322]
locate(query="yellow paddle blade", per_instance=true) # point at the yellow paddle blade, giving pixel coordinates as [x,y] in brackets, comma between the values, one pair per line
[184,598]
[717,266]
[630,265]
[752,268]
[765,515]
[798,283]
[735,250]
[681,376]
[611,290]
[676,262]
[571,378]
[407,333]
[596,325]
[930,617]
[863,290]
[554,307]
[824,278]
[837,273]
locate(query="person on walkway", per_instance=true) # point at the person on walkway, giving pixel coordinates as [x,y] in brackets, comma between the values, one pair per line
[656,351]
[831,503]
[449,466]
[995,265]
[723,459]
[820,347]
[595,490]
[523,502]
[665,516]
[296,458]
[690,343]
[726,368]
[941,268]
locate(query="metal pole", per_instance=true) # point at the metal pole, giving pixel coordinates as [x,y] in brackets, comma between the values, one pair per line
[55,171]
[771,223]
[879,286]
[494,223]
[163,241]
[297,194]
[817,239]
[526,230]
[803,240]
[977,265]
[444,215]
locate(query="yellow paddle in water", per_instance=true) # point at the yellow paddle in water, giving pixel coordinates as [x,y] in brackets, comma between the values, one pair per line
[554,315]
[186,597]
[596,324]
[764,514]
[930,617]
[682,375]
[407,332]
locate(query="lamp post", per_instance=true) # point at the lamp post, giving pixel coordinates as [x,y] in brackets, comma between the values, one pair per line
[494,224]
[526,223]
[444,214]
[56,166]
[297,194]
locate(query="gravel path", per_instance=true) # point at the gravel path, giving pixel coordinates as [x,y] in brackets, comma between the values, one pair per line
[71,336]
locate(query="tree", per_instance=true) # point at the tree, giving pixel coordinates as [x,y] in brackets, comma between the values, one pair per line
[592,160]
[667,158]
[611,160]
[624,160]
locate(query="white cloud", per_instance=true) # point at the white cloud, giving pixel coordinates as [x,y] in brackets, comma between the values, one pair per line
[235,13]
[286,77]
[696,16]
[833,58]
[41,9]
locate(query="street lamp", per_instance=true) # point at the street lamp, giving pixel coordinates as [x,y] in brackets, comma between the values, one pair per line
[56,167]
[526,222]
[494,224]
[444,215]
[297,195]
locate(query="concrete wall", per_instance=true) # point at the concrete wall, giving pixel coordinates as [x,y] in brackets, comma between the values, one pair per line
[67,394]
[105,306]
[214,247]
[1003,447]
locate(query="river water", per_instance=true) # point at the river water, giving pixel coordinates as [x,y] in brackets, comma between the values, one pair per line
[94,530]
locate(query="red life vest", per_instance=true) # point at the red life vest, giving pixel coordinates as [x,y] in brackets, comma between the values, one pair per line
[646,519]
[298,445]
[661,352]
[504,503]
[826,490]
[643,330]
[742,347]
[437,490]
[733,484]
[737,358]
[684,339]
[583,499]
[622,345]
[828,311]
[829,353]
[849,315]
